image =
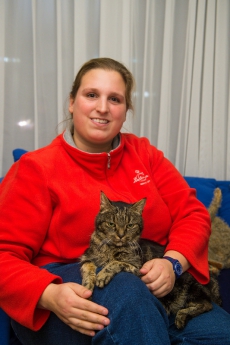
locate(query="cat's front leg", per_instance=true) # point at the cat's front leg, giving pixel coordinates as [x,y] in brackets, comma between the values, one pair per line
[109,271]
[88,273]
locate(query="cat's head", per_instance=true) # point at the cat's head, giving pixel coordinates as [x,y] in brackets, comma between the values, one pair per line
[119,223]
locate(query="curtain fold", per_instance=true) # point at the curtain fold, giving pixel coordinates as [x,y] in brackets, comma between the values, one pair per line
[221,116]
[178,51]
[186,88]
[194,129]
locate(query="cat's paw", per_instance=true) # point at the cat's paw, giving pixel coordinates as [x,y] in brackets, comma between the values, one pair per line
[89,286]
[88,272]
[89,282]
[102,279]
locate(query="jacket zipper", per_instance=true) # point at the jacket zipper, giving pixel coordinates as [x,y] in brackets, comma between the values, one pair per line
[109,159]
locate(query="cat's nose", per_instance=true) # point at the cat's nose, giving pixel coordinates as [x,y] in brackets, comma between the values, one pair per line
[121,234]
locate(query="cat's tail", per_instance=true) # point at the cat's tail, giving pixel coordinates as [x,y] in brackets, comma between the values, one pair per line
[215,204]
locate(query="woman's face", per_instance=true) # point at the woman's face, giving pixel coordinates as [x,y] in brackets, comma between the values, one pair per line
[99,110]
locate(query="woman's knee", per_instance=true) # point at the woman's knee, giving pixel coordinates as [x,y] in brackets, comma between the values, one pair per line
[124,284]
[125,289]
[132,307]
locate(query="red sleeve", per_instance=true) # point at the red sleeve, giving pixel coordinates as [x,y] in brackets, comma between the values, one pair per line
[191,226]
[26,209]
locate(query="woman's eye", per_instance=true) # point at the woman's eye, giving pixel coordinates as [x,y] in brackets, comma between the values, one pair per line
[91,95]
[115,99]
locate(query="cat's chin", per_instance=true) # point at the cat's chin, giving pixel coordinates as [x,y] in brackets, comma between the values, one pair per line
[119,244]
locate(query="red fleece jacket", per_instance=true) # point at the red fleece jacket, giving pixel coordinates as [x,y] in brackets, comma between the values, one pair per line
[48,204]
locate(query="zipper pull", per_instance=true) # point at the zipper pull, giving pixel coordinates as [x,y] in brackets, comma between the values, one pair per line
[109,159]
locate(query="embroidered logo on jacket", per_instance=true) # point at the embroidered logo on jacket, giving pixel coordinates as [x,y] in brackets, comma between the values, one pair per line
[140,177]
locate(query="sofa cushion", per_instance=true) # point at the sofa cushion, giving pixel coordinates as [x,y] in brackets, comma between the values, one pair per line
[17,153]
[205,188]
[224,211]
[4,328]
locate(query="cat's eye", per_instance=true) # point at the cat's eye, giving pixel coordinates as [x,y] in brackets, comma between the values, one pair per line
[130,225]
[111,224]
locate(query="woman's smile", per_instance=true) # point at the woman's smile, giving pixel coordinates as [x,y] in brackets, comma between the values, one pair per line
[100,121]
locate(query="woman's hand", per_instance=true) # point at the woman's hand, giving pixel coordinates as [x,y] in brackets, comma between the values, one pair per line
[159,277]
[69,302]
[158,274]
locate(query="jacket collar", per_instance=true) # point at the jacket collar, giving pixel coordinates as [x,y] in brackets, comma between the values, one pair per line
[100,165]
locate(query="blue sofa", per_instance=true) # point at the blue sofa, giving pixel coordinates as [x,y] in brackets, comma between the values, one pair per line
[205,188]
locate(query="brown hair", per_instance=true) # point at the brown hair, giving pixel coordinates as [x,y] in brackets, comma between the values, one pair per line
[111,65]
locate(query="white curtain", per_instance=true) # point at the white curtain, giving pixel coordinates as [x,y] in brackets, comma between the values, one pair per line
[178,51]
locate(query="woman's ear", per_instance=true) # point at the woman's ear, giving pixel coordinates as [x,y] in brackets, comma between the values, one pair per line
[71,103]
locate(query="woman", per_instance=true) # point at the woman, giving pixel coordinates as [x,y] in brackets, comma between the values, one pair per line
[48,203]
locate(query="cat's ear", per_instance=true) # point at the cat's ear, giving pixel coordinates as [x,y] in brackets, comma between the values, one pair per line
[105,203]
[139,206]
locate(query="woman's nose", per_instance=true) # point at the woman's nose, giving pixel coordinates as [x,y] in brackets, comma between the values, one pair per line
[102,105]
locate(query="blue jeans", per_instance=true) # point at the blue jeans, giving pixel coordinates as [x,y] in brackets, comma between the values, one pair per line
[136,317]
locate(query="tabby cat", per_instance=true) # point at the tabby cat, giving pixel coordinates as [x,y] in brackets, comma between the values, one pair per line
[219,242]
[115,246]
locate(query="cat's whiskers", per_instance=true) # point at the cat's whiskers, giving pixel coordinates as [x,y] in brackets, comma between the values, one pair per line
[105,241]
